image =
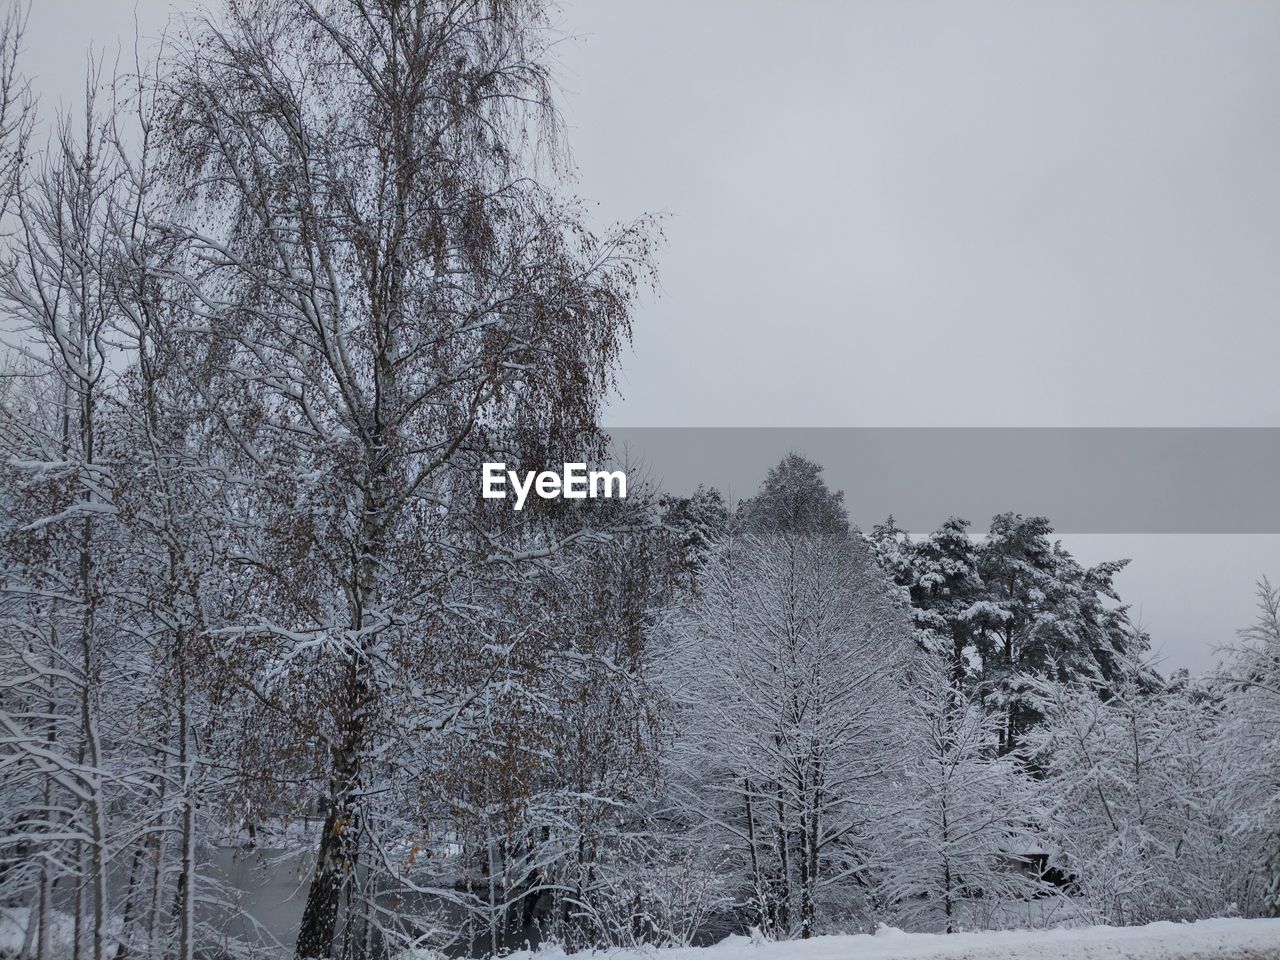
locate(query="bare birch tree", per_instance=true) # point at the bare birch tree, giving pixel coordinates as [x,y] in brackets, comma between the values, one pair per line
[62,639]
[377,283]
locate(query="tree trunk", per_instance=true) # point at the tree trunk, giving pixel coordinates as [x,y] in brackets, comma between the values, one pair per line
[319,917]
[187,870]
[336,855]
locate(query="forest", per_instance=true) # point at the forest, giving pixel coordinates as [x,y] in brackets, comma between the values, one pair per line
[269,302]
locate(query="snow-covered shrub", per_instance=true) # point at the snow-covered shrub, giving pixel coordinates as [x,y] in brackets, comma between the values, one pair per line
[1135,801]
[648,888]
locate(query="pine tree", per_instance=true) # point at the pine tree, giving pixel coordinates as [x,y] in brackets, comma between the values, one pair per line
[698,522]
[1044,615]
[944,588]
[1014,605]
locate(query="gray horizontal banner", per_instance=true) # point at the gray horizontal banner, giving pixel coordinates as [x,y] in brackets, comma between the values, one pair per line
[1085,480]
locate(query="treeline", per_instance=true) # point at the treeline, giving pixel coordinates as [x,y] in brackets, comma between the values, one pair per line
[272,300]
[951,732]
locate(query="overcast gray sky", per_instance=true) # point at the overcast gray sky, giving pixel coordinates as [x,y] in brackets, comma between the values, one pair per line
[920,213]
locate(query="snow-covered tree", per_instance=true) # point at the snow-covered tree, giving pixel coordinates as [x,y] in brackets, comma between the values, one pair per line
[968,817]
[1044,615]
[64,648]
[698,521]
[111,517]
[1137,811]
[547,777]
[786,669]
[378,292]
[794,499]
[940,575]
[1012,605]
[1250,743]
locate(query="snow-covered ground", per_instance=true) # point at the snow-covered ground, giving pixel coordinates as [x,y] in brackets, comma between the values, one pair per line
[1223,939]
[1226,939]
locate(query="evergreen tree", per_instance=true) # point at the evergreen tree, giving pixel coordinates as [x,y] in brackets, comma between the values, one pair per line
[940,576]
[1042,614]
[697,522]
[1012,607]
